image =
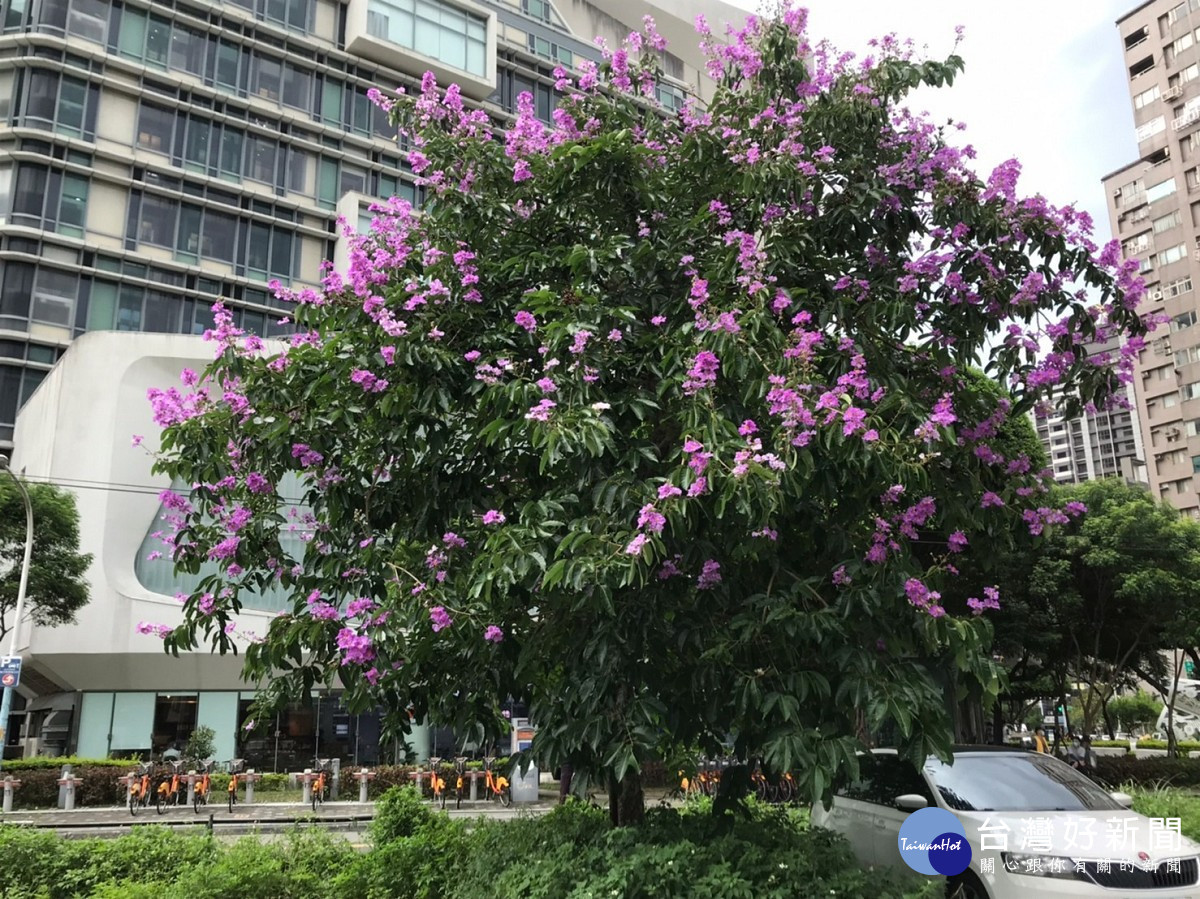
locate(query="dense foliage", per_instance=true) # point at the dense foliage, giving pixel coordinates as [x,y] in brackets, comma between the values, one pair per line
[57,587]
[418,854]
[642,419]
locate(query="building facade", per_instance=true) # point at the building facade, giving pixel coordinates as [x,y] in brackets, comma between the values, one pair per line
[1154,209]
[157,156]
[1094,445]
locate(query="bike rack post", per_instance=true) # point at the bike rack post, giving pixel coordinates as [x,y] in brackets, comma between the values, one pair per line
[418,775]
[474,785]
[69,783]
[127,781]
[335,777]
[9,785]
[307,779]
[364,779]
[250,778]
[191,777]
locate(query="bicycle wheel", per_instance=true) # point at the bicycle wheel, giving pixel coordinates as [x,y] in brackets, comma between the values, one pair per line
[232,800]
[197,799]
[506,796]
[160,802]
[316,797]
[133,803]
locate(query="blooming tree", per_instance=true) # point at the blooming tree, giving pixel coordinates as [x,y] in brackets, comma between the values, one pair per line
[641,418]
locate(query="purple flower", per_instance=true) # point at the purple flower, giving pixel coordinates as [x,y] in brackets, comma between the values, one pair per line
[990,499]
[493,516]
[472,356]
[852,420]
[710,575]
[692,446]
[493,634]
[439,618]
[957,542]
[547,385]
[747,428]
[525,319]
[356,648]
[658,320]
[453,541]
[840,577]
[666,491]
[702,374]
[615,335]
[256,483]
[651,519]
[580,341]
[541,412]
[636,544]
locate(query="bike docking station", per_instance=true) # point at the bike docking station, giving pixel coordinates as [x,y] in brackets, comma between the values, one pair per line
[365,777]
[67,784]
[249,778]
[10,784]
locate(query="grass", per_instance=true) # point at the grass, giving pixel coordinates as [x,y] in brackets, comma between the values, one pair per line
[1168,802]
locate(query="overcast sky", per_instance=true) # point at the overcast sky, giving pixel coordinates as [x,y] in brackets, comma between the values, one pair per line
[1044,82]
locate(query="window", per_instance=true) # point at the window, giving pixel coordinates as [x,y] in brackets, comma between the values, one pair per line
[1170,401]
[538,9]
[1145,98]
[72,208]
[1141,67]
[1167,222]
[436,29]
[1155,126]
[1160,190]
[54,297]
[88,19]
[60,103]
[297,87]
[883,778]
[1136,245]
[267,77]
[1187,357]
[669,96]
[174,721]
[1190,391]
[1193,428]
[550,50]
[1172,254]
[260,159]
[188,51]
[155,127]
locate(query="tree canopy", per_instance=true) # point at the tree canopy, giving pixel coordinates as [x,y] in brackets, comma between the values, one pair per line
[57,587]
[642,417]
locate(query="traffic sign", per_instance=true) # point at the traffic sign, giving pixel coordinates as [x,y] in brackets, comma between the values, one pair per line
[10,671]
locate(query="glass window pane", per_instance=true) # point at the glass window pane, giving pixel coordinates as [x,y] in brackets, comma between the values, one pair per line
[132,723]
[296,87]
[158,42]
[260,159]
[157,226]
[30,196]
[258,252]
[155,126]
[220,233]
[188,238]
[54,297]
[88,19]
[72,97]
[196,145]
[162,313]
[228,58]
[132,39]
[327,183]
[14,296]
[174,721]
[102,310]
[129,312]
[297,173]
[281,255]
[231,154]
[331,101]
[72,211]
[267,77]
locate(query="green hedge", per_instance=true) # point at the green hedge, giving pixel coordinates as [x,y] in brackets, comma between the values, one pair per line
[1116,770]
[55,763]
[420,854]
[1184,745]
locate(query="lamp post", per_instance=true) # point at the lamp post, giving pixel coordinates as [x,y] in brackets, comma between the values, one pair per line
[6,704]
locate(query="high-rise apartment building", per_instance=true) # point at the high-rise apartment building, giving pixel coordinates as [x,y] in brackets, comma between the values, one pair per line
[1105,443]
[157,156]
[1154,207]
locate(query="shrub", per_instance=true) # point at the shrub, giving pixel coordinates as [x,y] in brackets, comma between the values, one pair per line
[399,813]
[1164,802]
[1149,772]
[201,745]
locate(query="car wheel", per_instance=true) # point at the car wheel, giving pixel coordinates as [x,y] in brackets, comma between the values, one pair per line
[965,886]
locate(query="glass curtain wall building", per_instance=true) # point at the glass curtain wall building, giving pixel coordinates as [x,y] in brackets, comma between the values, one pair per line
[157,156]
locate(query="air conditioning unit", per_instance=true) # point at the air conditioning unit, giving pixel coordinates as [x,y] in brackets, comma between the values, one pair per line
[1173,93]
[1155,294]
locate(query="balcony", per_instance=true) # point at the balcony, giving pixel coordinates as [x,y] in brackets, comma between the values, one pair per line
[1189,117]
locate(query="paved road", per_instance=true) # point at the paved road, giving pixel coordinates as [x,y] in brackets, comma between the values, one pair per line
[258,818]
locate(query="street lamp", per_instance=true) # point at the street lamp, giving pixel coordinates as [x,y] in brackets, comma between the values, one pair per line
[6,705]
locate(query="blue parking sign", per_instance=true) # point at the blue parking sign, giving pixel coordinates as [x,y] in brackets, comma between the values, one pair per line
[10,671]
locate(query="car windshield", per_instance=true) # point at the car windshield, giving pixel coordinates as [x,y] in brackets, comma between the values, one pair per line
[1015,782]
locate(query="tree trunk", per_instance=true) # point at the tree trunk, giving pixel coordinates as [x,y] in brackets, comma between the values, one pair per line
[997,723]
[1108,722]
[626,803]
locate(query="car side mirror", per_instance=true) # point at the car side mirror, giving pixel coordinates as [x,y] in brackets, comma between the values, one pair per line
[911,802]
[1122,799]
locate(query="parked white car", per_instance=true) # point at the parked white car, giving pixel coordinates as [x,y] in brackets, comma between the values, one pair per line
[1037,827]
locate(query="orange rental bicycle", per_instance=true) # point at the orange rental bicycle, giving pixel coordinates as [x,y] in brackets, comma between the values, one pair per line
[436,782]
[139,790]
[460,780]
[203,787]
[168,792]
[320,787]
[496,786]
[235,766]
